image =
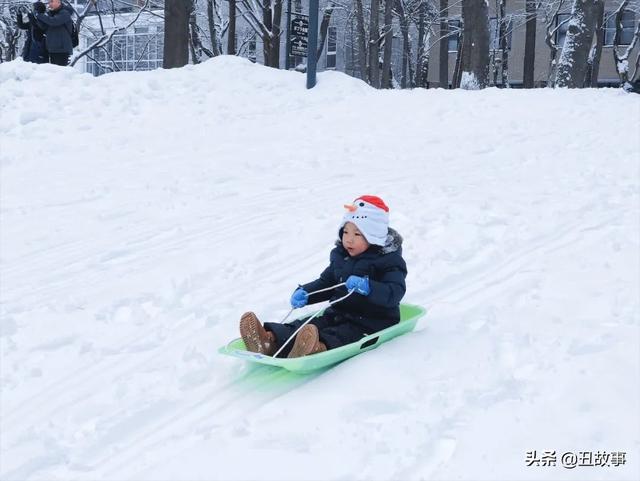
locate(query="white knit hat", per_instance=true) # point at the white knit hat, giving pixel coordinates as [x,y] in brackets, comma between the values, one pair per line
[371,216]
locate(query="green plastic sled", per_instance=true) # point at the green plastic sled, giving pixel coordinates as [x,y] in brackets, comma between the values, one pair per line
[409,315]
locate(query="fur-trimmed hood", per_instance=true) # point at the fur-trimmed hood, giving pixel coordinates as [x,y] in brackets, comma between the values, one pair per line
[393,242]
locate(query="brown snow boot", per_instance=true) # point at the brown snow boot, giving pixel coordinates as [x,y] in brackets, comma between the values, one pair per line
[256,338]
[307,342]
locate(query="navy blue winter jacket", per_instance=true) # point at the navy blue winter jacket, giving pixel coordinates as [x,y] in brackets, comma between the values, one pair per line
[58,26]
[34,46]
[386,270]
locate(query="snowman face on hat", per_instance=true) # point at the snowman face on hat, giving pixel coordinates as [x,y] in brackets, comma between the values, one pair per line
[371,217]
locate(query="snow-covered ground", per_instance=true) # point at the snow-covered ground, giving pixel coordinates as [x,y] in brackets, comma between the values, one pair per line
[142,213]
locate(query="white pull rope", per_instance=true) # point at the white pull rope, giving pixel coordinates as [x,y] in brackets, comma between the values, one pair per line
[327,288]
[315,315]
[310,294]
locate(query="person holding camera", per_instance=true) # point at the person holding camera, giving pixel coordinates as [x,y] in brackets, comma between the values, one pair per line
[34,50]
[58,26]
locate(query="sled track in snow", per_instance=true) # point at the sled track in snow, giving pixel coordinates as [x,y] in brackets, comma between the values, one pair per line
[221,407]
[160,424]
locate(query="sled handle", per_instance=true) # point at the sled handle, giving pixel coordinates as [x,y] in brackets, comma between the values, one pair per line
[370,342]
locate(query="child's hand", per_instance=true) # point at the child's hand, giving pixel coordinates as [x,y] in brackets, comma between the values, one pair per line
[299,298]
[359,284]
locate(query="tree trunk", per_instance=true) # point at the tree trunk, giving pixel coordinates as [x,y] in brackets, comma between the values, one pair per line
[406,79]
[195,45]
[457,70]
[420,80]
[621,59]
[176,33]
[362,42]
[275,35]
[211,23]
[231,30]
[572,66]
[493,47]
[374,53]
[553,55]
[324,28]
[267,19]
[272,18]
[388,39]
[593,65]
[504,51]
[530,44]
[424,62]
[475,49]
[195,55]
[443,73]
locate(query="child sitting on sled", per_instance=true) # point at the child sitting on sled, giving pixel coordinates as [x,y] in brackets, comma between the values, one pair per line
[367,264]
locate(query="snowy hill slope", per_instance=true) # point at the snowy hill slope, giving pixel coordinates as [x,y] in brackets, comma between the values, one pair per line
[142,213]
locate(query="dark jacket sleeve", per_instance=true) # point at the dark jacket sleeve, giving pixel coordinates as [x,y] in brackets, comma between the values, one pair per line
[38,23]
[60,18]
[389,289]
[21,23]
[326,279]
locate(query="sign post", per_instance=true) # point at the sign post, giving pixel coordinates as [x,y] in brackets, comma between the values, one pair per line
[313,44]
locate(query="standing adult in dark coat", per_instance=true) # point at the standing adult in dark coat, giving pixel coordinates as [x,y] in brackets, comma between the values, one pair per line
[34,47]
[58,27]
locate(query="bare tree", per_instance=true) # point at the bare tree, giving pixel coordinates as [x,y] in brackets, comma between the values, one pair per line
[552,26]
[406,79]
[265,19]
[475,50]
[499,51]
[503,22]
[388,39]
[272,18]
[374,44]
[422,62]
[9,32]
[215,33]
[621,58]
[457,70]
[593,61]
[324,28]
[198,50]
[572,66]
[362,42]
[530,44]
[208,13]
[443,73]
[176,32]
[231,33]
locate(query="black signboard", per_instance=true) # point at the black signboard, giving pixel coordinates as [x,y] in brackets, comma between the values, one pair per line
[299,36]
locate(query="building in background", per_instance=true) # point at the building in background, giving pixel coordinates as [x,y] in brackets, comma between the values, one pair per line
[139,46]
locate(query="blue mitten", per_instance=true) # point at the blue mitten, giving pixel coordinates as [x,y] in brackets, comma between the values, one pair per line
[299,298]
[359,284]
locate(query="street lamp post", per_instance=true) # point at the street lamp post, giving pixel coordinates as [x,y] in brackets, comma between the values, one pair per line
[287,61]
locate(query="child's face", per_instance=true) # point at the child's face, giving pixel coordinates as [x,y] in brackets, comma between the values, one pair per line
[353,240]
